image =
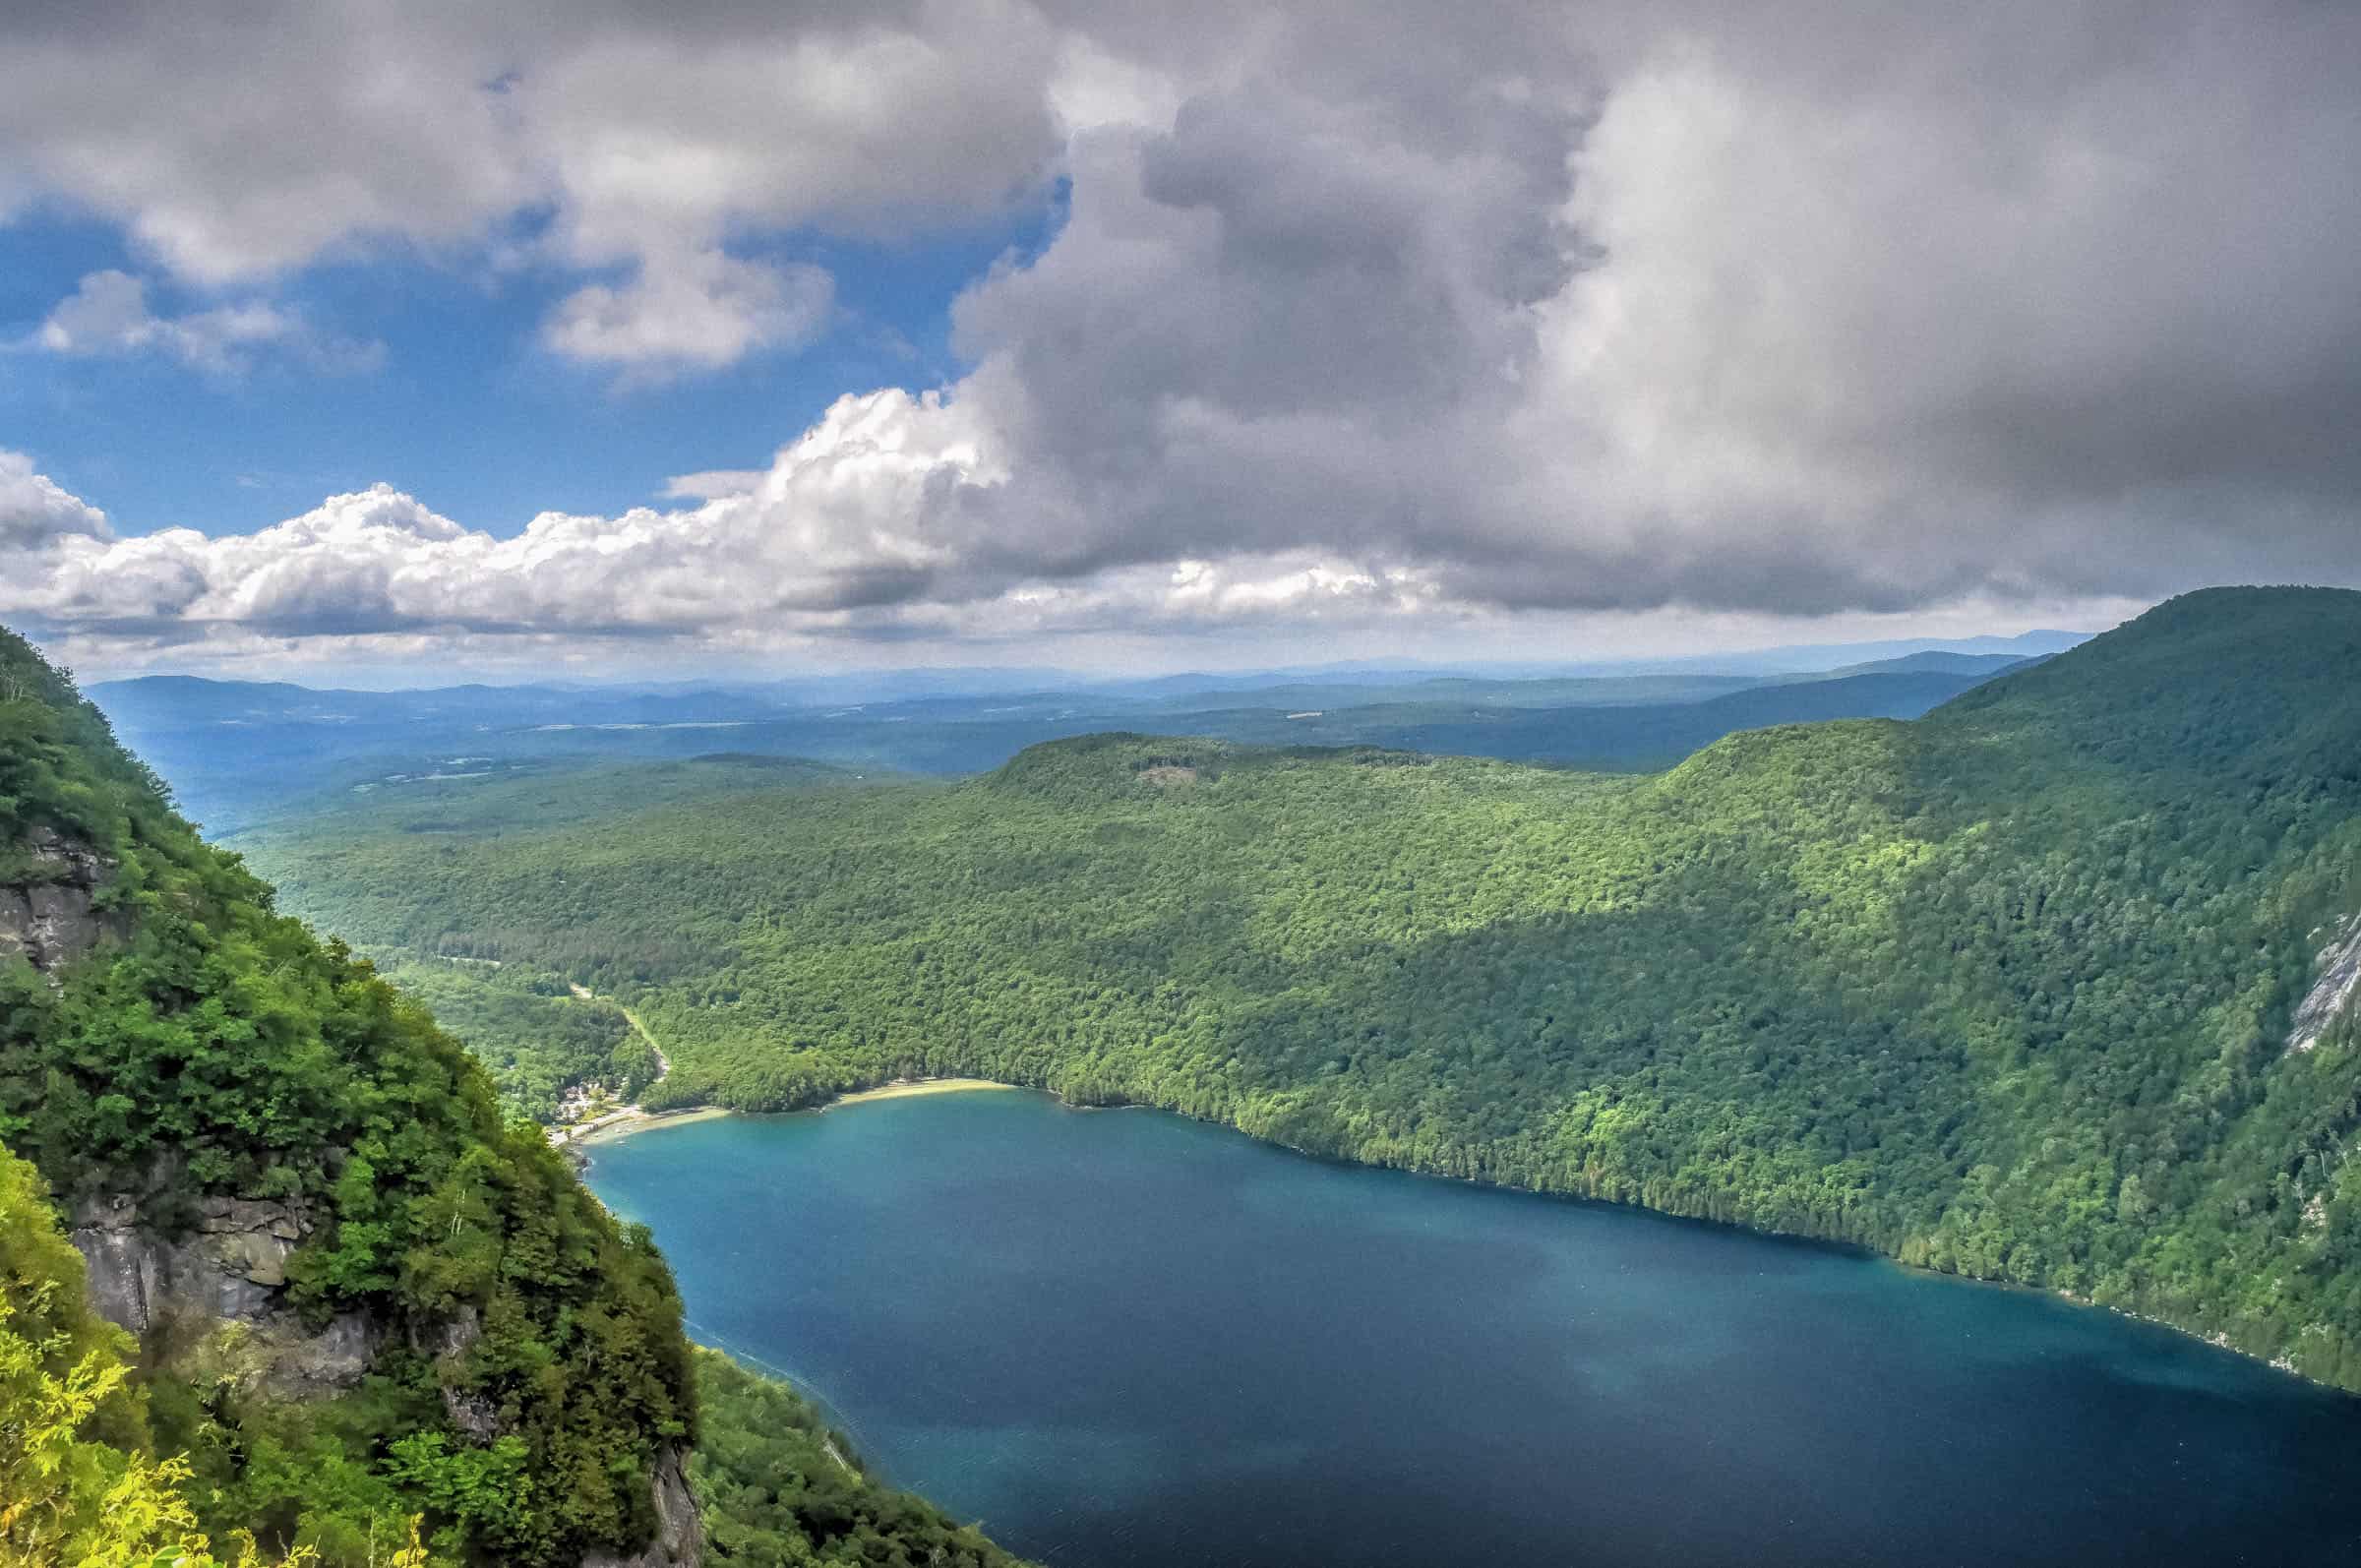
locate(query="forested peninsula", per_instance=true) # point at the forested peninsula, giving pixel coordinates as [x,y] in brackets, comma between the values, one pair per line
[2016,990]
[281,1278]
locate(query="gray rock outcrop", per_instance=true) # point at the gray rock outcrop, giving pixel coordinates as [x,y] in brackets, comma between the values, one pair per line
[48,912]
[449,1343]
[218,1294]
[2338,975]
[680,1528]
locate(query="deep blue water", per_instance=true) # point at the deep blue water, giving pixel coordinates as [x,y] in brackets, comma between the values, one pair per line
[1120,1338]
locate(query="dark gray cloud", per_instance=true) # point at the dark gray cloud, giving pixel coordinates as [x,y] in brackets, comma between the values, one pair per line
[1818,308]
[1359,310]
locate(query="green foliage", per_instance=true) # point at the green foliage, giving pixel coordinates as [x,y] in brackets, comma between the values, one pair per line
[779,1490]
[310,1476]
[77,1481]
[62,1389]
[2001,992]
[532,1033]
[477,1486]
[208,1044]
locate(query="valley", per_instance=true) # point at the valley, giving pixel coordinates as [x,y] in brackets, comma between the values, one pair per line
[2005,992]
[2045,988]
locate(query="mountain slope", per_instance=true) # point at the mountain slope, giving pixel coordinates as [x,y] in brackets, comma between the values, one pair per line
[2006,991]
[364,1296]
[289,1181]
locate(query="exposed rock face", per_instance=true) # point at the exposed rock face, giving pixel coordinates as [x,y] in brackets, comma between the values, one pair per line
[449,1343]
[215,1303]
[680,1528]
[2338,967]
[218,1293]
[48,914]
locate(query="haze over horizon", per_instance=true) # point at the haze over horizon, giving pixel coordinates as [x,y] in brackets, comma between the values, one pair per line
[370,344]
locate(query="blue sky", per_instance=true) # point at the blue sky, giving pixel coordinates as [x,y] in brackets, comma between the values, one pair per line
[464,407]
[1122,336]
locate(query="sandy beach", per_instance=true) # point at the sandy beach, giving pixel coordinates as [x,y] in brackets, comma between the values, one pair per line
[902,1088]
[631,1119]
[623,1123]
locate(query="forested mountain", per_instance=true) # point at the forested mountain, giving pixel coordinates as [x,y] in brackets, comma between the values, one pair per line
[2006,990]
[363,1294]
[1623,737]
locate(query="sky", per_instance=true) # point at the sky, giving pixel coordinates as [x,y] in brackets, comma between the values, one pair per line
[355,340]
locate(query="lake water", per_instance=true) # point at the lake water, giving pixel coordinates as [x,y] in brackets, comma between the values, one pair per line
[1120,1338]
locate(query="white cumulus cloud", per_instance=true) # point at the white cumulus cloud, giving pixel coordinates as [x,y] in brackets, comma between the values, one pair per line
[1821,308]
[703,310]
[34,510]
[107,314]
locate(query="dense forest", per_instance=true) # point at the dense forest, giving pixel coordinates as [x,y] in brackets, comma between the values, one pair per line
[532,1032]
[174,1048]
[2005,991]
[780,1490]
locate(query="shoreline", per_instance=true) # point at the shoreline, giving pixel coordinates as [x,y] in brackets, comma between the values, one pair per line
[624,1120]
[616,1126]
[624,1124]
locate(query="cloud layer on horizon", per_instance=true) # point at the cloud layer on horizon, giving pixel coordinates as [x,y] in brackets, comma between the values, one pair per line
[1594,309]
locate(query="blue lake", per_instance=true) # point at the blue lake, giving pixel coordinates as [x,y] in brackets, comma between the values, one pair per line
[1122,1338]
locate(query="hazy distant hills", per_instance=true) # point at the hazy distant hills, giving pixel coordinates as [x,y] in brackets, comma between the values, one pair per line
[1604,736]
[1787,659]
[238,752]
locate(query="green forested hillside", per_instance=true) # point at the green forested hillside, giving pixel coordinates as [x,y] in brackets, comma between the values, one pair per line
[420,1314]
[192,1044]
[534,1035]
[80,1481]
[780,1490]
[2004,991]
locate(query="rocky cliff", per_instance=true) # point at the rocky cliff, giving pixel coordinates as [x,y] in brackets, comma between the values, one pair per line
[679,1531]
[213,1298]
[206,1288]
[2336,975]
[211,1302]
[48,909]
[284,1177]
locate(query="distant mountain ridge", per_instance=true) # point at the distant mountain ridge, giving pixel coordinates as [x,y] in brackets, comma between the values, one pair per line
[132,691]
[1606,736]
[1942,662]
[243,752]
